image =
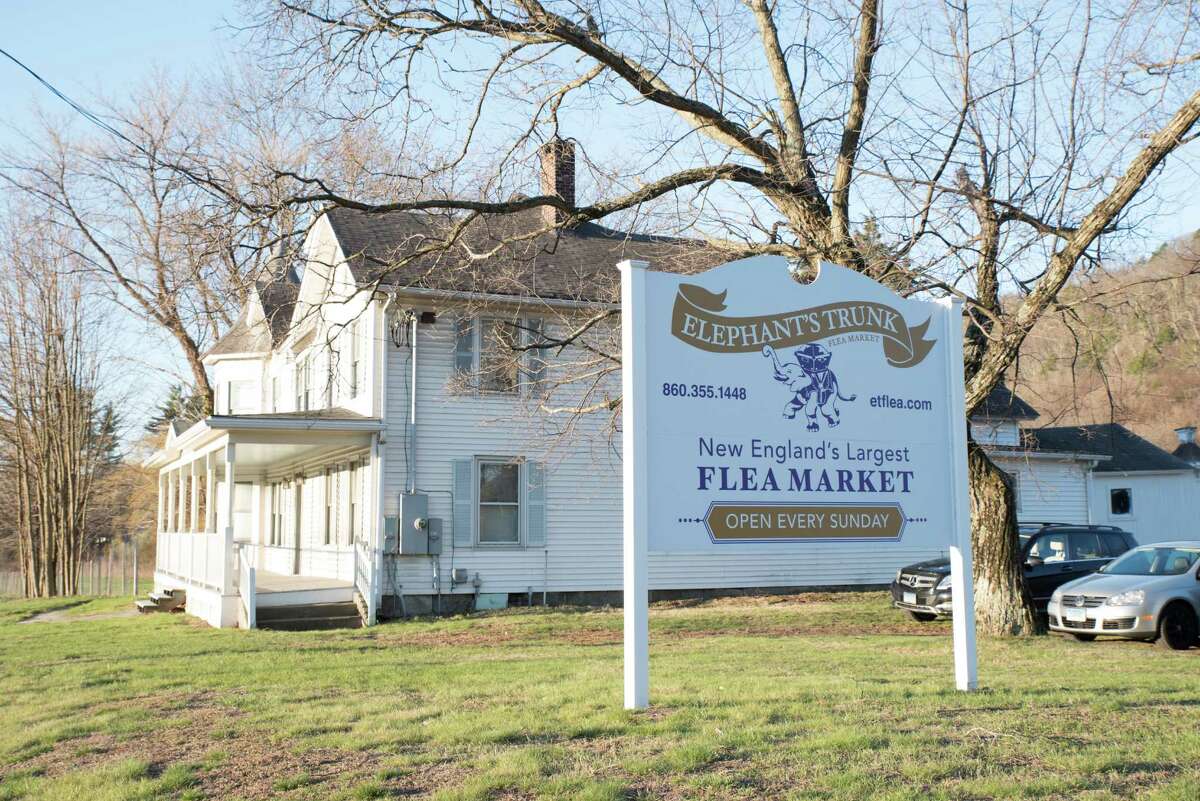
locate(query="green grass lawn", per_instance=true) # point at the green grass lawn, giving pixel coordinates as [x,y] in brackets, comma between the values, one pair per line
[815,696]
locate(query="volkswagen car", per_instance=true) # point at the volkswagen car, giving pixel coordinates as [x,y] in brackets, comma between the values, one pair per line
[1052,553]
[1150,593]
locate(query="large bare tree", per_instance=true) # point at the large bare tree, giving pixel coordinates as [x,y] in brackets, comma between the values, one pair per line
[994,150]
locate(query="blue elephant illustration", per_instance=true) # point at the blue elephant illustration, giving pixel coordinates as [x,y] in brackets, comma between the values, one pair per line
[813,385]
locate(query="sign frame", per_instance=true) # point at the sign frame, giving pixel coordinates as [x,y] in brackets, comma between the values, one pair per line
[636,489]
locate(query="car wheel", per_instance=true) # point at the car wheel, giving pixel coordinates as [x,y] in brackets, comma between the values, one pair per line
[1177,628]
[923,617]
[1084,637]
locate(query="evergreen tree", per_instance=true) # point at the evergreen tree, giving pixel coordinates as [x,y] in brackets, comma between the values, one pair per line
[179,406]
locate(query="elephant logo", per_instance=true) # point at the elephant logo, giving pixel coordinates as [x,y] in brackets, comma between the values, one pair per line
[813,385]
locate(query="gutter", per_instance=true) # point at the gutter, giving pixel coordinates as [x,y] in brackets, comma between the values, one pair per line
[491,297]
[1060,456]
[236,423]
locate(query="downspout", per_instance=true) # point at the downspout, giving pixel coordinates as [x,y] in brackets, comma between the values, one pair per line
[412,407]
[377,448]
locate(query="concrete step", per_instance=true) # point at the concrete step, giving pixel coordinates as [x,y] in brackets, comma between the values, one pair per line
[162,596]
[301,617]
[312,623]
[145,606]
[336,609]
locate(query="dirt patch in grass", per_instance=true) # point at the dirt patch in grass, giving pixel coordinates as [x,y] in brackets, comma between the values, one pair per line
[900,627]
[64,614]
[226,763]
[394,634]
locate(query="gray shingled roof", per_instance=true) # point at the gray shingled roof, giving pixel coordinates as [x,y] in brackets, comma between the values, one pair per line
[577,263]
[1188,452]
[278,298]
[1003,403]
[1129,452]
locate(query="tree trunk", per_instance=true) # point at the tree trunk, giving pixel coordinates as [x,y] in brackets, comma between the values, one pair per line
[1003,605]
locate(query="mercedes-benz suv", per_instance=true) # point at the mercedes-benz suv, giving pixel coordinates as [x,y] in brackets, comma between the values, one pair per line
[1053,554]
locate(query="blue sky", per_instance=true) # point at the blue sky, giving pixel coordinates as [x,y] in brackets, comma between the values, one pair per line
[109,47]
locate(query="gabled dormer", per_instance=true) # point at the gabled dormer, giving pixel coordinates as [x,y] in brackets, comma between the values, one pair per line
[237,360]
[998,419]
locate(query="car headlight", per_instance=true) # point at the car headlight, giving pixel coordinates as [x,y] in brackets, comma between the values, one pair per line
[1130,598]
[944,584]
[899,573]
[1056,597]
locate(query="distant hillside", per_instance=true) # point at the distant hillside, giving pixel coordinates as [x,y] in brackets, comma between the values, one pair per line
[1125,348]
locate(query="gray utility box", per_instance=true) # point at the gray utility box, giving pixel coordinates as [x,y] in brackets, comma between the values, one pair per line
[413,532]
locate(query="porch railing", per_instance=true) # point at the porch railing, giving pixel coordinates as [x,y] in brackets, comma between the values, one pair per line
[192,557]
[248,605]
[366,577]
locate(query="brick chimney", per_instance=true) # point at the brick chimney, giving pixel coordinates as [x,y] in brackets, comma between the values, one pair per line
[558,176]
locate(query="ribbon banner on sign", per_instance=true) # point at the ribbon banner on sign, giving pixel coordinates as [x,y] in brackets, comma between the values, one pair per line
[697,320]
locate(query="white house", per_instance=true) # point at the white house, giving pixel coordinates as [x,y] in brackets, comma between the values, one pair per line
[374,389]
[1102,474]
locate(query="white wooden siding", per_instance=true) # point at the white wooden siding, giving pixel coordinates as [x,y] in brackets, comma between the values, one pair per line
[1164,504]
[995,432]
[1048,491]
[583,497]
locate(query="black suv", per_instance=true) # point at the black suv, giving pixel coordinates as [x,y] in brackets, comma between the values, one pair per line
[1054,553]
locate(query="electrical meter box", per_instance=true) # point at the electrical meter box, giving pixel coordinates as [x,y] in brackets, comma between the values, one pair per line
[413,532]
[435,536]
[414,524]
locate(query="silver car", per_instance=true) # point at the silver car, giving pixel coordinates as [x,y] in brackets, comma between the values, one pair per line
[1150,593]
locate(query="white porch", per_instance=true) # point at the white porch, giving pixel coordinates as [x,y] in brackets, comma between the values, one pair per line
[268,511]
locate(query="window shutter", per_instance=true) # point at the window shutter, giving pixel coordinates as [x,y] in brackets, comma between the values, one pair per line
[464,502]
[464,346]
[535,504]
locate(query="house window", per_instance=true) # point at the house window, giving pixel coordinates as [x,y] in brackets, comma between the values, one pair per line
[275,393]
[355,360]
[276,528]
[489,350]
[1120,501]
[499,503]
[328,506]
[239,397]
[497,355]
[303,384]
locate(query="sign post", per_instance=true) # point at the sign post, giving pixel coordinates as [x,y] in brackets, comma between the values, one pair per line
[633,441]
[816,433]
[963,599]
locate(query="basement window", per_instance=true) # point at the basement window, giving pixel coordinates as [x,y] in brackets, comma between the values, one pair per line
[1120,501]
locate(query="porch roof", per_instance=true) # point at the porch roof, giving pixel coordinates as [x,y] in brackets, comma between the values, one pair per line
[264,439]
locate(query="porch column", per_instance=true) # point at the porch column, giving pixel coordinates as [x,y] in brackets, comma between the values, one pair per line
[210,495]
[194,513]
[181,506]
[230,495]
[164,482]
[158,512]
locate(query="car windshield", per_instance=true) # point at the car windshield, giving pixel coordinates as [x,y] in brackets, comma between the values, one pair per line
[1150,560]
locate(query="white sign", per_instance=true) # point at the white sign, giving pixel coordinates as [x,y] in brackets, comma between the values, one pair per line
[764,416]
